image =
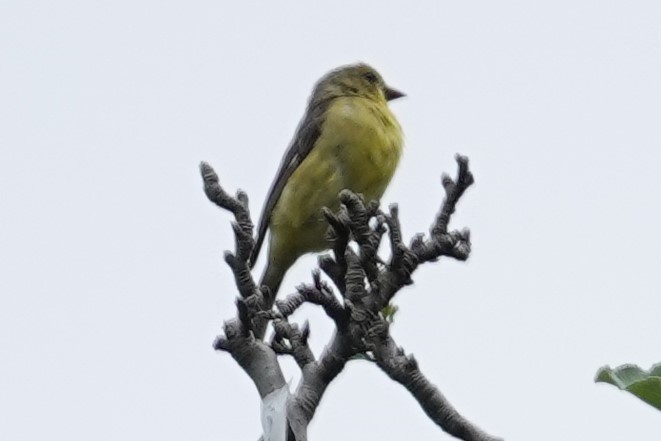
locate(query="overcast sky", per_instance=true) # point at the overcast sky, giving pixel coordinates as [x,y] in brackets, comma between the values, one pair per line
[112,284]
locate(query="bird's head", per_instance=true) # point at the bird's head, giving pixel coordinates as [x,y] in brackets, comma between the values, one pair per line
[354,80]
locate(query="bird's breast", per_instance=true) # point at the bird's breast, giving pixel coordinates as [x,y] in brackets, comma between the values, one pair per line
[358,149]
[368,142]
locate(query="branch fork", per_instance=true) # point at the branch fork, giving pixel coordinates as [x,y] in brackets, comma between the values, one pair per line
[365,285]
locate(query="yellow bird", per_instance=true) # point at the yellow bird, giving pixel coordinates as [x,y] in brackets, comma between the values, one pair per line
[347,139]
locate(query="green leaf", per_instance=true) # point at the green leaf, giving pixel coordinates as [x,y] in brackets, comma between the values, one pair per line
[389,312]
[646,385]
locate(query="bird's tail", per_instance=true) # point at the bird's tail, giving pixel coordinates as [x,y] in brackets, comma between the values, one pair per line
[272,277]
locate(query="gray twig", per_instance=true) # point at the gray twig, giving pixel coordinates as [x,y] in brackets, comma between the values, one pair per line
[404,369]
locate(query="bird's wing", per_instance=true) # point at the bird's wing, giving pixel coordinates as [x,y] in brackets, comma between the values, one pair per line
[304,140]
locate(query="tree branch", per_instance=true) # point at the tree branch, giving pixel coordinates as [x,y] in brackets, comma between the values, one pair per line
[404,369]
[318,294]
[257,359]
[366,286]
[453,190]
[318,376]
[298,341]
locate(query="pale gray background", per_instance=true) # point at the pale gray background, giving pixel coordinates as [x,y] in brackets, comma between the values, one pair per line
[113,285]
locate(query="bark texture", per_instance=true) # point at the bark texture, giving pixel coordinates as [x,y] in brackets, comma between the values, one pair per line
[365,285]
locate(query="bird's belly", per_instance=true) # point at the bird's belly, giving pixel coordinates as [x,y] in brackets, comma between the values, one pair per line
[298,214]
[355,151]
[369,164]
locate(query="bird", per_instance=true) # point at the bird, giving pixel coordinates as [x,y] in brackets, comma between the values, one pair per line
[347,139]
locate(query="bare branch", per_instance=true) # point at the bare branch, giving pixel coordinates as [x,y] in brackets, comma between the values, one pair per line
[255,299]
[221,344]
[366,284]
[243,315]
[403,261]
[280,346]
[455,244]
[404,370]
[257,359]
[453,191]
[238,205]
[318,294]
[355,277]
[333,270]
[338,235]
[352,221]
[318,376]
[297,338]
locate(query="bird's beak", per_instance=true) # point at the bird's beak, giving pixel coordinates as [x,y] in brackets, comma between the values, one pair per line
[392,94]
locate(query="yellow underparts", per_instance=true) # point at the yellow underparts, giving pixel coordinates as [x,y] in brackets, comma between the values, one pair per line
[358,149]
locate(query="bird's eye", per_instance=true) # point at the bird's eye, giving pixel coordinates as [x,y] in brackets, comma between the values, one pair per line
[371,77]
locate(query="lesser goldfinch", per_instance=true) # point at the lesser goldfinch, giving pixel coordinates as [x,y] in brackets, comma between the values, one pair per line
[347,139]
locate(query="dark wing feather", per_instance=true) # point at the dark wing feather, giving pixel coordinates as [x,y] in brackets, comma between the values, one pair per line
[306,136]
